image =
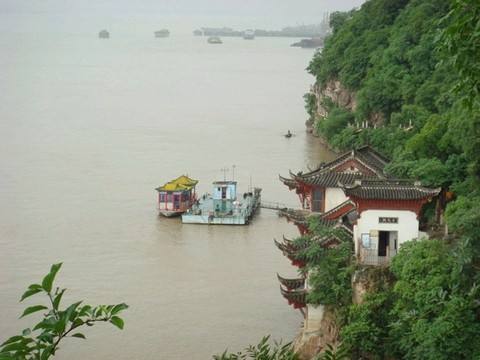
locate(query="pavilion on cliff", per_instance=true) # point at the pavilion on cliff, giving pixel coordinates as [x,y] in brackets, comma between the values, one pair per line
[353,193]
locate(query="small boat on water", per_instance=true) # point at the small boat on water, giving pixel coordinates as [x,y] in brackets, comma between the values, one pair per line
[223,207]
[104,34]
[249,34]
[214,40]
[176,196]
[164,33]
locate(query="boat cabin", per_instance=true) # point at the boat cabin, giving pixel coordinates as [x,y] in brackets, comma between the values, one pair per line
[176,196]
[224,194]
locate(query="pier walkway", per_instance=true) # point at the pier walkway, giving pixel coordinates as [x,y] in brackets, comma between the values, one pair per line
[273,205]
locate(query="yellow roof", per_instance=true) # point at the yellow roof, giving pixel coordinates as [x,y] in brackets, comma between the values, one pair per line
[182,183]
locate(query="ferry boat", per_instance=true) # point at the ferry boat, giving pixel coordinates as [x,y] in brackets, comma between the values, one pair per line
[176,196]
[223,207]
[214,40]
[164,33]
[104,34]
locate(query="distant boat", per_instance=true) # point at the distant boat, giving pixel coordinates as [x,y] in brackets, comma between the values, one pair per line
[198,32]
[214,40]
[104,34]
[162,33]
[249,34]
[309,43]
[176,196]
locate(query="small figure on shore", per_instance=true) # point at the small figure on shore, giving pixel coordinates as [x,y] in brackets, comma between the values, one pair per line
[288,134]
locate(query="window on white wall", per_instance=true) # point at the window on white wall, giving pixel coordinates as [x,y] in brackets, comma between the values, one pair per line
[366,243]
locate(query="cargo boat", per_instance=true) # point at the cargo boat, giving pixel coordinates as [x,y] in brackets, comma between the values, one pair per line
[223,207]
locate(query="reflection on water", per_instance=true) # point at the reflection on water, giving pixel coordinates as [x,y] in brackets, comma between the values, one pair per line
[89,128]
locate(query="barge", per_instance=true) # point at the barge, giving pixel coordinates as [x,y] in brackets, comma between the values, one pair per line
[223,207]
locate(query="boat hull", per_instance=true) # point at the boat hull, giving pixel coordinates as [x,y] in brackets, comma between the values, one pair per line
[204,213]
[169,213]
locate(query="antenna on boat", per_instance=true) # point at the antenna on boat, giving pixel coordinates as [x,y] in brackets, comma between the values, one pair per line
[224,170]
[233,172]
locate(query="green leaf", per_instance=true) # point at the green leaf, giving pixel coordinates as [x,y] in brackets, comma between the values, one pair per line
[58,298]
[33,309]
[29,293]
[117,308]
[85,310]
[48,280]
[14,347]
[47,352]
[115,320]
[5,356]
[12,340]
[79,335]
[26,332]
[34,286]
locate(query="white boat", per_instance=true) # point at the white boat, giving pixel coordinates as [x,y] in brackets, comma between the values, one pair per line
[214,40]
[223,207]
[249,34]
[162,33]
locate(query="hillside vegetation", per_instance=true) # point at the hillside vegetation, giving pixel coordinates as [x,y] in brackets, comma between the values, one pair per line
[413,68]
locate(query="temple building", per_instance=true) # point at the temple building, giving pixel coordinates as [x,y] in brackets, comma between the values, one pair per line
[320,190]
[353,194]
[388,212]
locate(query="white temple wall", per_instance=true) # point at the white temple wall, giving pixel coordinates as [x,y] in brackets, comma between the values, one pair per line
[313,321]
[334,197]
[368,223]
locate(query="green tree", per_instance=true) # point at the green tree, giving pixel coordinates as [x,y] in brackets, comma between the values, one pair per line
[262,351]
[42,341]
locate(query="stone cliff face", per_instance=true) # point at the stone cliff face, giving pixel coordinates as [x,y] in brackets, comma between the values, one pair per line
[337,93]
[319,330]
[334,91]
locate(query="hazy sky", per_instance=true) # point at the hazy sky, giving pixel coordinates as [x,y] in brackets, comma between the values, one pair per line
[267,8]
[178,15]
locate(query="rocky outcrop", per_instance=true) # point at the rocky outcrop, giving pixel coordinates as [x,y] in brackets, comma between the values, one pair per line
[319,329]
[335,92]
[369,279]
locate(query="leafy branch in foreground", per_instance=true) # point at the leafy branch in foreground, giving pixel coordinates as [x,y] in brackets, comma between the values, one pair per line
[42,341]
[262,351]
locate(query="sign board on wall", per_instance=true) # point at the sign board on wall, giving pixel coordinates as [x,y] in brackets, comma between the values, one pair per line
[388,220]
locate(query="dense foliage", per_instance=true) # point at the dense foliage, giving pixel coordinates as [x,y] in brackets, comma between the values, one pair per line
[42,341]
[414,68]
[262,351]
[431,312]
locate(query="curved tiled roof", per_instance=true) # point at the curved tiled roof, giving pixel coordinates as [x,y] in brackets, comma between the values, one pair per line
[297,298]
[327,175]
[330,178]
[292,284]
[291,183]
[182,183]
[389,190]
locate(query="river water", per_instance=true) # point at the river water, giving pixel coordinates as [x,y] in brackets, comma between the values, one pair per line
[88,129]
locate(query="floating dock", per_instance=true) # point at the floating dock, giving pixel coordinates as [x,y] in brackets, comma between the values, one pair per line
[223,207]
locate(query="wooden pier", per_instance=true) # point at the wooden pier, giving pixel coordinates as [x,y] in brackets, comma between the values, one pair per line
[273,205]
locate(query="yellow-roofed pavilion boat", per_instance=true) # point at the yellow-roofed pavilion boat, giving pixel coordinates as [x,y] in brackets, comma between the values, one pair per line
[176,196]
